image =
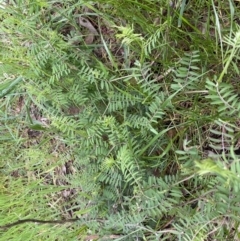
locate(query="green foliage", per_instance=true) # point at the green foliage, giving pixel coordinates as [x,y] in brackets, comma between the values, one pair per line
[131,133]
[223,96]
[186,73]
